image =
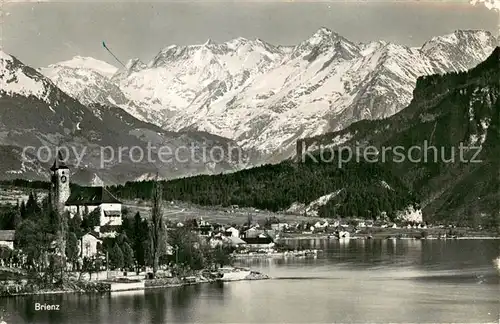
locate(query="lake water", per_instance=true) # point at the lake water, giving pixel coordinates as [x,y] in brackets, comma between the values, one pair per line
[379,281]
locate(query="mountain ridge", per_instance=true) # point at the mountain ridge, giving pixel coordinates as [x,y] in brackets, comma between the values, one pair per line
[265,96]
[447,111]
[36,114]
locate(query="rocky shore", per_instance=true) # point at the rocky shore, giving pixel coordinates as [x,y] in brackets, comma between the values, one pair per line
[9,289]
[254,275]
[199,279]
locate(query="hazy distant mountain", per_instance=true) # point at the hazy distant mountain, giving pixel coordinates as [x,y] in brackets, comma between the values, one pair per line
[265,96]
[35,112]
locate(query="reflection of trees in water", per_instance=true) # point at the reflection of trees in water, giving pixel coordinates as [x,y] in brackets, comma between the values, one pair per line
[418,254]
[155,302]
[442,254]
[374,251]
[458,254]
[178,301]
[180,297]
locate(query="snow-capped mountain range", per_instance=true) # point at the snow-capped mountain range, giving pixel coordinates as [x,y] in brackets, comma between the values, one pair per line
[265,96]
[37,116]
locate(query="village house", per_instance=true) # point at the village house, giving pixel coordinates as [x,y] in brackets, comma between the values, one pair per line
[7,239]
[258,243]
[169,249]
[89,199]
[233,241]
[278,227]
[216,240]
[253,232]
[335,224]
[205,230]
[84,200]
[222,240]
[231,231]
[88,245]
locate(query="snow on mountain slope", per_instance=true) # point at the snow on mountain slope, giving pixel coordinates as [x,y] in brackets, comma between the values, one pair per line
[35,113]
[455,51]
[16,79]
[182,76]
[89,81]
[268,109]
[265,97]
[79,62]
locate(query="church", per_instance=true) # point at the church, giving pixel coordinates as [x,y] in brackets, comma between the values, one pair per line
[83,200]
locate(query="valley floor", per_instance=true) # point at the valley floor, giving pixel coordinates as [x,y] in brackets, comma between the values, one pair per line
[180,211]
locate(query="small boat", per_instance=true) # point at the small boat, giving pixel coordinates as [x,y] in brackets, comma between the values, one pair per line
[343,235]
[234,274]
[190,279]
[496,262]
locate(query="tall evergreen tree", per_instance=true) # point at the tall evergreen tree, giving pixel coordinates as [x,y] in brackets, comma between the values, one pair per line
[157,231]
[128,256]
[116,257]
[141,237]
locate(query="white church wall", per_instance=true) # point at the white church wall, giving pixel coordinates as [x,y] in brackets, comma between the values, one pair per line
[73,210]
[89,208]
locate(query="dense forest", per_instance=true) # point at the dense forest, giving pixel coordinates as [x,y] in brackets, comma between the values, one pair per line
[447,112]
[366,189]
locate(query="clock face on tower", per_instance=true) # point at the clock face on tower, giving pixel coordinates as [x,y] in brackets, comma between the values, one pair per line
[63,179]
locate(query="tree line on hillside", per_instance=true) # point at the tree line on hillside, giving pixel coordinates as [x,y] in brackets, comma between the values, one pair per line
[277,187]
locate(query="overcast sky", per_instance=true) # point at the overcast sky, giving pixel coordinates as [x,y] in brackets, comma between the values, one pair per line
[43,33]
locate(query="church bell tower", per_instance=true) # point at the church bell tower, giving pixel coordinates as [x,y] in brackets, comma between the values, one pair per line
[60,184]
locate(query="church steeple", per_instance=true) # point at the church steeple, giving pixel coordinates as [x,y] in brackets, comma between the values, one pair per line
[58,163]
[60,183]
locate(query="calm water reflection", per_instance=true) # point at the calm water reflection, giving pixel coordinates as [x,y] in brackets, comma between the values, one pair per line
[352,281]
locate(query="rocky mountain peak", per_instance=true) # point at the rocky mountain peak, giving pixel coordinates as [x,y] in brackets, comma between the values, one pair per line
[322,41]
[266,96]
[88,63]
[459,50]
[460,37]
[133,65]
[209,42]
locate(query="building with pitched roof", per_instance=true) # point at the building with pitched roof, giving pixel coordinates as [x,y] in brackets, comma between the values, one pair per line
[89,244]
[7,238]
[84,200]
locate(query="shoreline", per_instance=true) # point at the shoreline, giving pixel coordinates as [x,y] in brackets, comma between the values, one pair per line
[401,233]
[106,285]
[384,237]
